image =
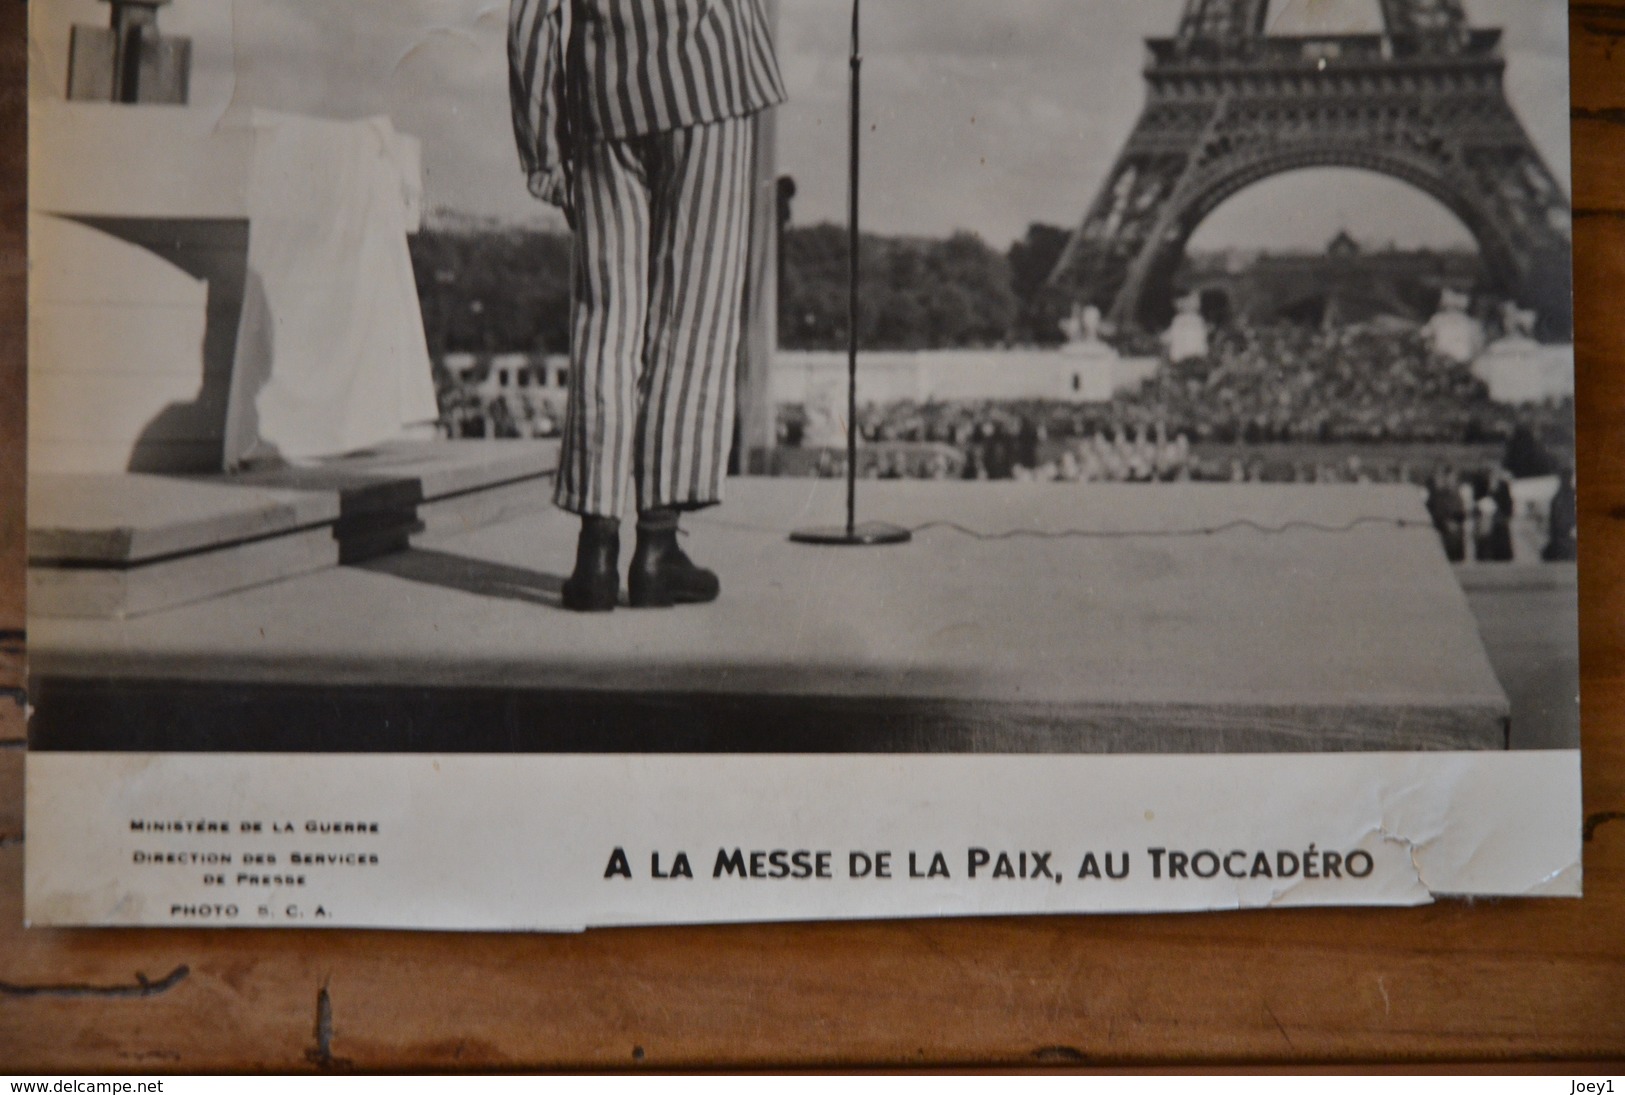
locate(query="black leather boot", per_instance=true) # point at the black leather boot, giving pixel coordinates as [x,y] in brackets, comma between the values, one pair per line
[596,584]
[662,575]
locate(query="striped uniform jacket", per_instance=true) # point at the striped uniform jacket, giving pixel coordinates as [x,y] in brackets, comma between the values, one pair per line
[582,71]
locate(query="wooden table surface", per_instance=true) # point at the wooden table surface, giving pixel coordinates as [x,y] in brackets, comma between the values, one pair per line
[1533,982]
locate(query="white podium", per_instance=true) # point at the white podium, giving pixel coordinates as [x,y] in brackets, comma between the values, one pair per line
[205,294]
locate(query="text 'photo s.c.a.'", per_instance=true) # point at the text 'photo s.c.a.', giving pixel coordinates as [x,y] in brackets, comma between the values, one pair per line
[562,463]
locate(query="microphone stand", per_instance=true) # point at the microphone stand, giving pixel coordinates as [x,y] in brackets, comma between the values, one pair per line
[853,534]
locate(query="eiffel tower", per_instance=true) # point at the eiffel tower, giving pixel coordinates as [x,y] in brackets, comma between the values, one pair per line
[1229,105]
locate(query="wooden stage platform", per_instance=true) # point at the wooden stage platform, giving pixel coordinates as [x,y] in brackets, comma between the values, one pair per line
[115,546]
[1053,618]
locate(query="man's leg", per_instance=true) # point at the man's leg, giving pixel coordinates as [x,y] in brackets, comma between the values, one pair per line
[700,228]
[701,199]
[608,328]
[609,310]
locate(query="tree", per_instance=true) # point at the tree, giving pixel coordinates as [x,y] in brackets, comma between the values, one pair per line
[489,291]
[970,299]
[1040,306]
[916,293]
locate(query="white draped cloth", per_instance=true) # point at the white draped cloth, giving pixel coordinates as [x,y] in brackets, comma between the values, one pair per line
[331,356]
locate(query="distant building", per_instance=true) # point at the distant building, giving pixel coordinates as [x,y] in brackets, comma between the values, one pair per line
[504,395]
[816,378]
[1344,284]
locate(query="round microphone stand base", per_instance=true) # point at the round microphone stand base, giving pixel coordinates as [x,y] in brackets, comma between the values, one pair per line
[869,534]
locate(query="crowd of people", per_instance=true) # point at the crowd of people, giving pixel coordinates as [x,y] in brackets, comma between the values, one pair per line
[1475,515]
[1258,387]
[1353,384]
[1278,404]
[1128,455]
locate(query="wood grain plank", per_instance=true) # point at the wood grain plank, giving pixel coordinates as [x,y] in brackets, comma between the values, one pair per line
[13,335]
[1596,52]
[13,719]
[1599,147]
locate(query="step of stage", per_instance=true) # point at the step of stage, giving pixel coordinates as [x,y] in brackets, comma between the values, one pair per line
[113,546]
[1021,618]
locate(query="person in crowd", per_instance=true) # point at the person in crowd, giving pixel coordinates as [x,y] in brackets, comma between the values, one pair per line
[1495,542]
[1448,513]
[1562,545]
[1068,469]
[1027,439]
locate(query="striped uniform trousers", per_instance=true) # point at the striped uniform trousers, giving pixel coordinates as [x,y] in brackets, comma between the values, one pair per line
[662,224]
[646,105]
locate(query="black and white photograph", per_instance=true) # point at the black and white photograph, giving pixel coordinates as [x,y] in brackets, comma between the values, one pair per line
[681,444]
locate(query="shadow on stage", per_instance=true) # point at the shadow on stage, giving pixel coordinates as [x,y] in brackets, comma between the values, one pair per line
[478,577]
